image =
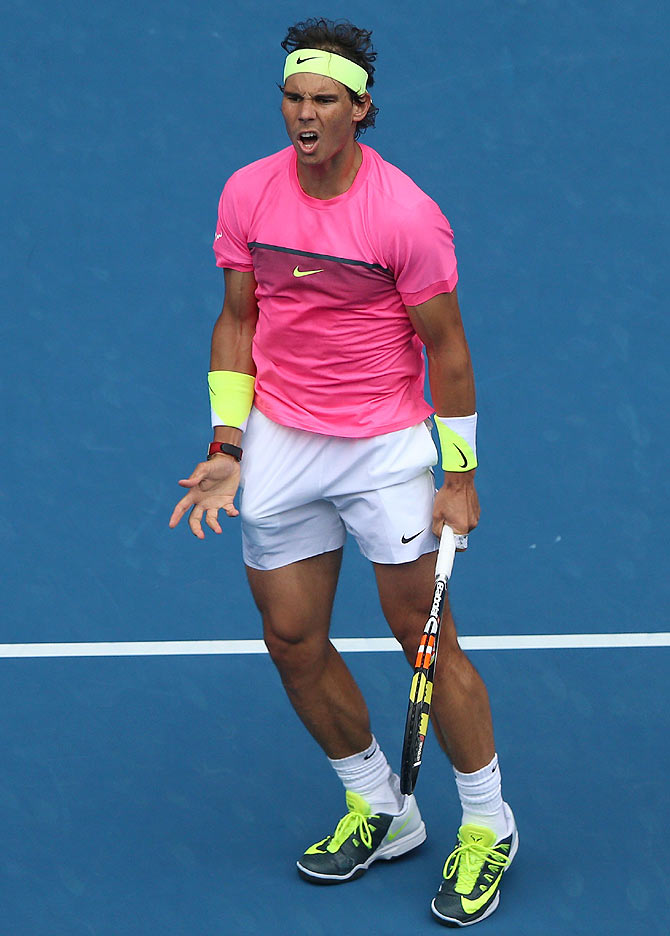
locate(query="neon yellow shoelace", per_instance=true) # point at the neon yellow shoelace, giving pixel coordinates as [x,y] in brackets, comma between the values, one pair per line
[354,823]
[468,860]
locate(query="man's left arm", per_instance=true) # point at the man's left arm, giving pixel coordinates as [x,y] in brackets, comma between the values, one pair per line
[438,324]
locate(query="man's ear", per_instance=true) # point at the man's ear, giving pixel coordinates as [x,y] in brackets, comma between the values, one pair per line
[361,107]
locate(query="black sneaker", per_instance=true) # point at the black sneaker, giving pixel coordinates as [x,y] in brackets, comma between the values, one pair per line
[360,838]
[470,889]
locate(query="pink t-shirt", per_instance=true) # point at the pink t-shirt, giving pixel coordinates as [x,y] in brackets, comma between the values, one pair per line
[334,347]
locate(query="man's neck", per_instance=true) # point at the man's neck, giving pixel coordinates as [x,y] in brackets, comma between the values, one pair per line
[334,177]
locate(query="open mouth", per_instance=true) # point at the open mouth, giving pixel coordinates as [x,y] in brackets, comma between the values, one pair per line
[308,140]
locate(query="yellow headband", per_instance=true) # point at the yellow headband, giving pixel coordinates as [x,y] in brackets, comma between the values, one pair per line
[320,62]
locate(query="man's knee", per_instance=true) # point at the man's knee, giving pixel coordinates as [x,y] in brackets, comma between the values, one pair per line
[406,594]
[407,620]
[407,627]
[295,650]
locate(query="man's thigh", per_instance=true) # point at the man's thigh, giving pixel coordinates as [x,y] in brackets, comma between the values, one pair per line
[296,600]
[406,595]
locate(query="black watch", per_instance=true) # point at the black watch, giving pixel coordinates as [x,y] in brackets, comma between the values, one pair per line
[226,448]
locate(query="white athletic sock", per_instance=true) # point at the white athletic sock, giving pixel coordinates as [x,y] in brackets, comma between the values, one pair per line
[481,798]
[370,775]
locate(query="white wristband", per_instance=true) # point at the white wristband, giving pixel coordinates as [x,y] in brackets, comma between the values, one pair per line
[216,421]
[458,440]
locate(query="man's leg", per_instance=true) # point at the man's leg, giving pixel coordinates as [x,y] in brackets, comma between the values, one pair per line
[296,602]
[460,710]
[487,839]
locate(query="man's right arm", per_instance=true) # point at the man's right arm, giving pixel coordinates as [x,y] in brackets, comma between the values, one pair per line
[213,484]
[233,335]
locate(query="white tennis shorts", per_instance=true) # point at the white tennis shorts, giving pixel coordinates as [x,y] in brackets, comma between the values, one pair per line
[301,492]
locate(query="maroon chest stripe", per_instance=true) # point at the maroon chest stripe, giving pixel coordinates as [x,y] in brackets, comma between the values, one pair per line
[316,256]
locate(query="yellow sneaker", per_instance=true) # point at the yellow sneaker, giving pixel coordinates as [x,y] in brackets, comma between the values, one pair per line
[470,888]
[360,838]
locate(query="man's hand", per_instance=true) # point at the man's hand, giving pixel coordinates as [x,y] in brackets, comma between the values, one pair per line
[212,487]
[456,503]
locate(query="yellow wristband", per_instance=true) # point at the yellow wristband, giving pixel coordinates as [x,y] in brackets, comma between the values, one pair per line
[458,441]
[231,396]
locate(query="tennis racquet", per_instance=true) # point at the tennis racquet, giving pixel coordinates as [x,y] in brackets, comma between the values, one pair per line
[421,689]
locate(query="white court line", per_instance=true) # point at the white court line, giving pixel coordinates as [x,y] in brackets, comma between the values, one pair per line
[345,644]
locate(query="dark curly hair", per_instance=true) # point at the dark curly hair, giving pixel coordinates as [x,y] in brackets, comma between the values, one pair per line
[344,39]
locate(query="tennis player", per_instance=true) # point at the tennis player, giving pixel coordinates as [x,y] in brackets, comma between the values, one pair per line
[339,271]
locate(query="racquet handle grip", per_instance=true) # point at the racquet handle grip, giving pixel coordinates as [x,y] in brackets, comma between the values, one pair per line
[446,554]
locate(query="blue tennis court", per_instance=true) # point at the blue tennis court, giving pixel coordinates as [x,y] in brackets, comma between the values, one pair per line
[154,778]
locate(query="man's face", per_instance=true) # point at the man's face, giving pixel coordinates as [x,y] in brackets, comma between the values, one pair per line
[320,117]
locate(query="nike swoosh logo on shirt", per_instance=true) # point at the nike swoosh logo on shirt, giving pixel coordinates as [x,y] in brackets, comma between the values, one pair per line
[299,272]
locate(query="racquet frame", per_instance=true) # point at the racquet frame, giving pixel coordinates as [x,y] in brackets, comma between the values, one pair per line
[421,687]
